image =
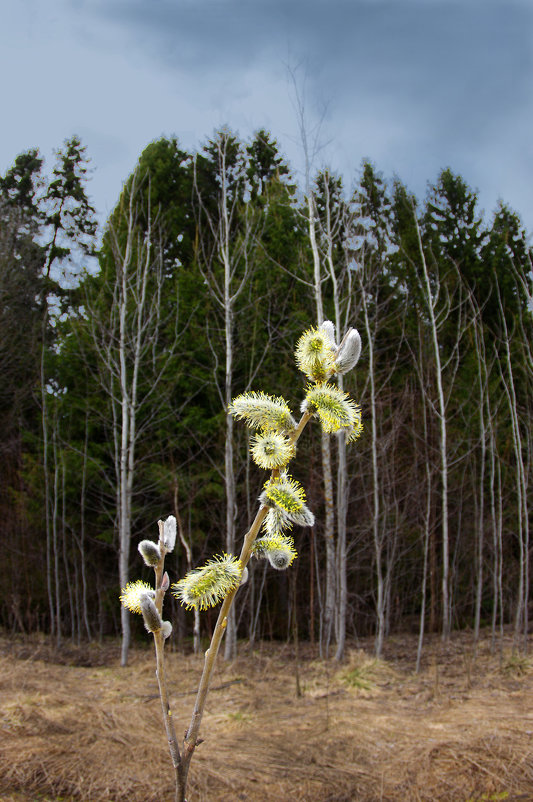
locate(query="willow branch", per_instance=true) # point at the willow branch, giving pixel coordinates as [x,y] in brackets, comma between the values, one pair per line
[191,737]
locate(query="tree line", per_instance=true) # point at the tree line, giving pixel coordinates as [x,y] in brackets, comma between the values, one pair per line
[120,355]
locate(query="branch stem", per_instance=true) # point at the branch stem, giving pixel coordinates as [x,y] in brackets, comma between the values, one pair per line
[159,642]
[191,737]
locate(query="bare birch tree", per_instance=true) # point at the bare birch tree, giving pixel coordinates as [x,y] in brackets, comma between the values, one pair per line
[334,219]
[431,299]
[508,381]
[227,236]
[125,319]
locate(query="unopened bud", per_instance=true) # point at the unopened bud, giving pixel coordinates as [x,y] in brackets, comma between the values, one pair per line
[152,619]
[244,577]
[278,549]
[302,517]
[149,551]
[165,582]
[166,629]
[279,559]
[349,352]
[329,328]
[169,533]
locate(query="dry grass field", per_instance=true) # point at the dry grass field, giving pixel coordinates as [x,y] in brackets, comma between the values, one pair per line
[75,726]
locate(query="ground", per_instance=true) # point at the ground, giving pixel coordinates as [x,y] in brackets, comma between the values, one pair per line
[76,726]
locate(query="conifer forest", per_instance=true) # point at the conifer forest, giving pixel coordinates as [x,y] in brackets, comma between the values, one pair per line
[121,349]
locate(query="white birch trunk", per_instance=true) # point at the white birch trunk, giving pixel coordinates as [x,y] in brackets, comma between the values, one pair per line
[232,253]
[124,499]
[55,545]
[496,525]
[441,410]
[427,519]
[230,647]
[521,615]
[47,515]
[341,597]
[483,401]
[328,610]
[376,515]
[124,337]
[85,610]
[342,512]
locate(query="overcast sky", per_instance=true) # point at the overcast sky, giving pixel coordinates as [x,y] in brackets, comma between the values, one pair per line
[414,85]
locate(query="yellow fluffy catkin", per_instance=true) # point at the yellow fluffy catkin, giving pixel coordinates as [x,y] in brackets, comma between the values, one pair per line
[209,584]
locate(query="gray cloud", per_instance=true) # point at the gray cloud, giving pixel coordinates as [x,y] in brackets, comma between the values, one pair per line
[403,42]
[415,85]
[454,69]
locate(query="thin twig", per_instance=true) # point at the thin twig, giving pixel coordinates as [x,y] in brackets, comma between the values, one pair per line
[159,642]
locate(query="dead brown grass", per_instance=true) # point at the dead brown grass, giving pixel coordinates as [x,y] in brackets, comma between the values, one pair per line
[76,726]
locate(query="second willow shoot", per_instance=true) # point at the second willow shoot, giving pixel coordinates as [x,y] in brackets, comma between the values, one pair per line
[282,504]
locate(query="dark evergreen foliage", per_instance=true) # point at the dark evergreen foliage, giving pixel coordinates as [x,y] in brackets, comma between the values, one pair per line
[479,276]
